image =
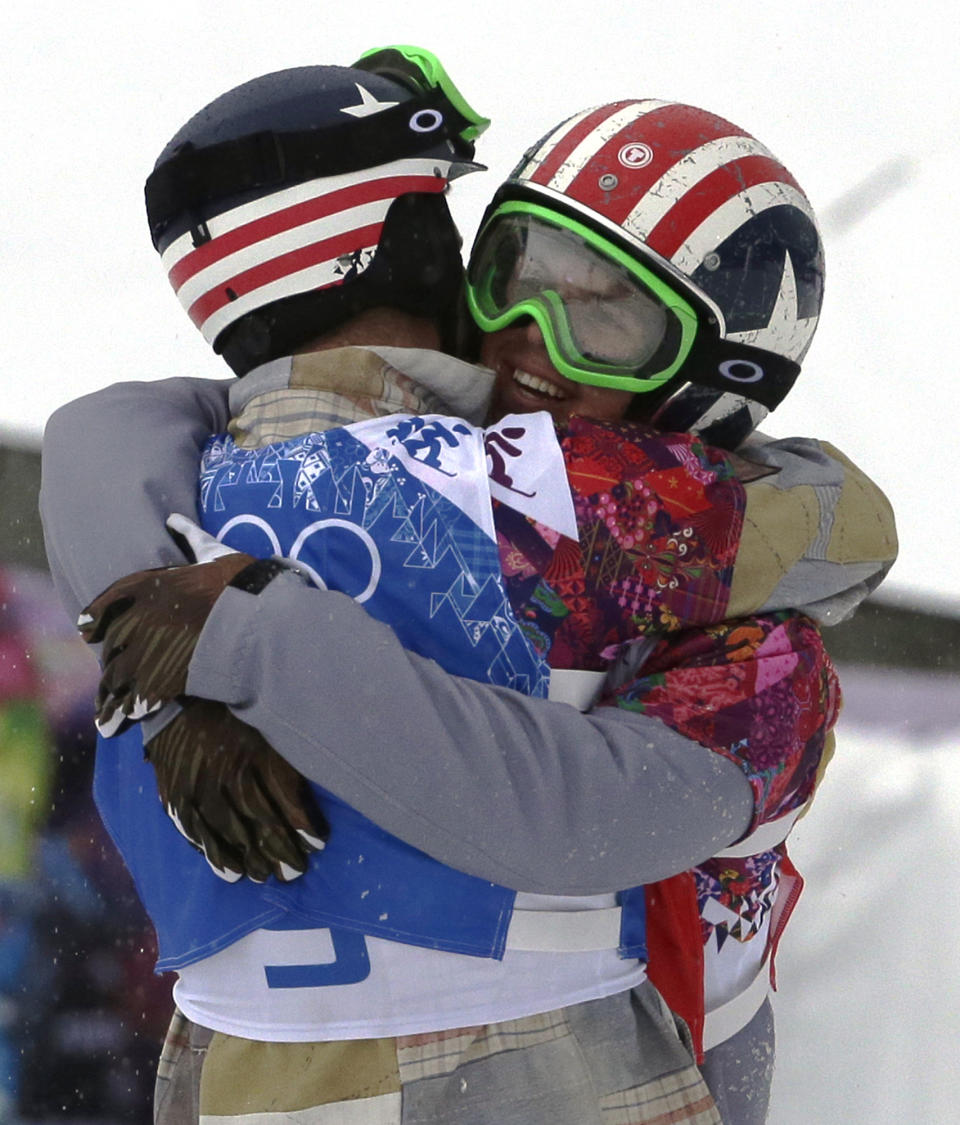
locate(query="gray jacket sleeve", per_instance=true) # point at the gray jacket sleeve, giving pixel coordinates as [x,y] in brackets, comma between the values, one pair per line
[115,464]
[524,792]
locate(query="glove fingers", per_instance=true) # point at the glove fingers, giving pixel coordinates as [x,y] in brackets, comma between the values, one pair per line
[272,838]
[119,664]
[296,804]
[181,787]
[292,802]
[109,715]
[134,686]
[118,706]
[100,614]
[111,723]
[285,853]
[257,864]
[222,858]
[185,757]
[224,873]
[303,827]
[232,833]
[245,805]
[225,859]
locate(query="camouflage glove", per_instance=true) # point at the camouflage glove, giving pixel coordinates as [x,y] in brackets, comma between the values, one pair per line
[233,796]
[149,624]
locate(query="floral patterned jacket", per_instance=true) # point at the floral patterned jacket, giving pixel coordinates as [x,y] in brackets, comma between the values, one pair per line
[692,569]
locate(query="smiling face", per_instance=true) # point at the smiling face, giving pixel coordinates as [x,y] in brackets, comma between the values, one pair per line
[527,380]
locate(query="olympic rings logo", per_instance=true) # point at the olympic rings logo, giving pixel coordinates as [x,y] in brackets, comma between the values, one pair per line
[300,543]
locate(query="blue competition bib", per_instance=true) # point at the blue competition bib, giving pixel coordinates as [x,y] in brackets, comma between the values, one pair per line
[380,520]
[393,530]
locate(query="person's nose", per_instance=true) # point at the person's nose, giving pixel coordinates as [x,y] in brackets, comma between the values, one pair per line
[532,334]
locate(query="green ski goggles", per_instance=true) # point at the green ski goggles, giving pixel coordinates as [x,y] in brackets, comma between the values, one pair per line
[606,319]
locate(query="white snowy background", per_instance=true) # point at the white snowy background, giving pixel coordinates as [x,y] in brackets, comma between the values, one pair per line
[868,1005]
[860,101]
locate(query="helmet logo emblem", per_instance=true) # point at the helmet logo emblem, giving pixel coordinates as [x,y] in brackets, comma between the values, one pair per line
[426,121]
[635,155]
[741,370]
[367,105]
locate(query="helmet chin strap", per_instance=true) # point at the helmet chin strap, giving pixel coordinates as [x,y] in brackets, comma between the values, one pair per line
[720,418]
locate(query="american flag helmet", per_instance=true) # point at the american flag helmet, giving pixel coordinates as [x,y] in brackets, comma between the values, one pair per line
[304,196]
[718,219]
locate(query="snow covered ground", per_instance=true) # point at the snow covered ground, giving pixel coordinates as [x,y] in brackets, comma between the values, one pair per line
[868,1008]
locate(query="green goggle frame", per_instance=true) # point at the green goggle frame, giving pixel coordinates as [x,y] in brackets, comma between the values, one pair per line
[547,309]
[424,73]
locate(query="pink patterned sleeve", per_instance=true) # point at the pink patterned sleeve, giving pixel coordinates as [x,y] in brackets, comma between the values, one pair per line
[760,691]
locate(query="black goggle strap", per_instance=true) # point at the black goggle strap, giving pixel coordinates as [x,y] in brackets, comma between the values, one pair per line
[740,369]
[195,177]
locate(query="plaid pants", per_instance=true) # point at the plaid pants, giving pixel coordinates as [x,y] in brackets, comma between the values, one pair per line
[617,1061]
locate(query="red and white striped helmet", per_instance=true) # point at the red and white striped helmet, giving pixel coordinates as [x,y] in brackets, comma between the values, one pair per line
[304,196]
[310,236]
[711,207]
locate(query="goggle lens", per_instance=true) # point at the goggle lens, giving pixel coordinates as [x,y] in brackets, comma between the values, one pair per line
[610,319]
[606,320]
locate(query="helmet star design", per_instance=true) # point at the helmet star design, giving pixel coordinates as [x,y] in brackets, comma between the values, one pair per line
[368,104]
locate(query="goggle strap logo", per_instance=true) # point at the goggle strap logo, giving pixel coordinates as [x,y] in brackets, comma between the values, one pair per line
[426,121]
[741,370]
[756,373]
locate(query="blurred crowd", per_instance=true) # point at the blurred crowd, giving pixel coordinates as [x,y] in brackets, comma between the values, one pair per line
[82,1015]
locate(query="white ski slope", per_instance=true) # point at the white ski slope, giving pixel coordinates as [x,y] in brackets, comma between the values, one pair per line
[868,1008]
